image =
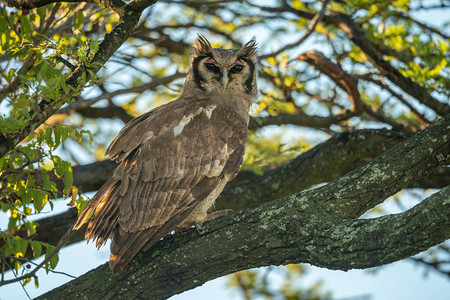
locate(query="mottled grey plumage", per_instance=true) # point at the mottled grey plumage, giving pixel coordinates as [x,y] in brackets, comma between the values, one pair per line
[176,159]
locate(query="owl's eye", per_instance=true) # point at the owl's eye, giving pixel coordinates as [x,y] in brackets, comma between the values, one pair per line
[212,67]
[236,69]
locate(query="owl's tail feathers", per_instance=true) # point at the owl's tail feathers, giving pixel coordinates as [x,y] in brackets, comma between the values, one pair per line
[125,246]
[101,212]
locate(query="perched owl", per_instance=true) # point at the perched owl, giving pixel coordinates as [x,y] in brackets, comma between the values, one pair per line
[176,159]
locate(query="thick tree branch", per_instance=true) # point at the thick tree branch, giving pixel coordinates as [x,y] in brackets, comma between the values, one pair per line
[163,41]
[316,226]
[115,5]
[91,177]
[393,170]
[438,179]
[304,120]
[272,234]
[129,17]
[111,111]
[323,163]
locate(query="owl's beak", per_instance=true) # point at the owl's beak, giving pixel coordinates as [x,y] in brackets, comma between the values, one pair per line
[224,79]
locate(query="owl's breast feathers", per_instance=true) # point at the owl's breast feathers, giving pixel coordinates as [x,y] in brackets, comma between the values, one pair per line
[171,159]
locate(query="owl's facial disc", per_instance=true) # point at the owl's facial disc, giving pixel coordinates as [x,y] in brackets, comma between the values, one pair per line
[224,72]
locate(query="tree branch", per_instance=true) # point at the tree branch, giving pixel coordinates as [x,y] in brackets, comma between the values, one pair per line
[312,26]
[111,111]
[357,36]
[417,91]
[129,17]
[151,85]
[115,5]
[66,237]
[323,163]
[264,236]
[316,226]
[345,81]
[304,120]
[17,80]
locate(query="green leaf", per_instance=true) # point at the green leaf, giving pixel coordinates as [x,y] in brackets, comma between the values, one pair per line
[47,184]
[65,131]
[49,138]
[27,211]
[21,246]
[78,20]
[25,24]
[30,181]
[30,226]
[37,248]
[81,204]
[40,198]
[42,11]
[91,139]
[58,135]
[63,169]
[13,219]
[54,261]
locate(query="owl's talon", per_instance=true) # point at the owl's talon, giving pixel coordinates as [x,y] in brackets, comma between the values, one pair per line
[199,227]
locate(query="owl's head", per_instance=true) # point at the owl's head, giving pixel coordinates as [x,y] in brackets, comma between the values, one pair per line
[222,71]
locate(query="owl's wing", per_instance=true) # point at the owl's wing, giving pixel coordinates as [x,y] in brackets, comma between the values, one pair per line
[135,132]
[168,166]
[172,171]
[129,139]
[171,176]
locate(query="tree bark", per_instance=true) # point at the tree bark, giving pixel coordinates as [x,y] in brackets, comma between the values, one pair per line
[323,163]
[319,226]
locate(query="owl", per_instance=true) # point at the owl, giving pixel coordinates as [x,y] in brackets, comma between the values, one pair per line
[175,160]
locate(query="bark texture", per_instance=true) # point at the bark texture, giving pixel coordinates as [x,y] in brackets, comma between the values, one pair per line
[325,162]
[318,226]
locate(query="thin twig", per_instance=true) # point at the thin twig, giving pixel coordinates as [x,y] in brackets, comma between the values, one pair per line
[137,89]
[15,275]
[432,265]
[312,26]
[64,239]
[24,259]
[20,169]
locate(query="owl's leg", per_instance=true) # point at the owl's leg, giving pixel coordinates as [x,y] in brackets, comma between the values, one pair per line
[217,214]
[197,220]
[199,223]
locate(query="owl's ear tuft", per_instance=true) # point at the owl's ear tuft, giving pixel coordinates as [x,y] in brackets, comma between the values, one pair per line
[202,46]
[249,50]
